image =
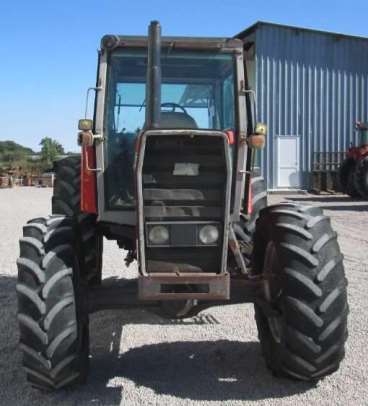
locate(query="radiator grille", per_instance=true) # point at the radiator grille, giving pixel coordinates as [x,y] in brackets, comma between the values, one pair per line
[184,179]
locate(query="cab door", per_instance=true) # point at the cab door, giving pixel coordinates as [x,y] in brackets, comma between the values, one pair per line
[119,118]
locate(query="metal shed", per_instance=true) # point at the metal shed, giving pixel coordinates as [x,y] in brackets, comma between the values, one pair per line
[311,86]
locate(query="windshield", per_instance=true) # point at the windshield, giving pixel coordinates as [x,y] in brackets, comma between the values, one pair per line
[197,91]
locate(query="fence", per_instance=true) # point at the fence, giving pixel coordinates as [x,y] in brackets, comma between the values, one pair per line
[40,181]
[325,171]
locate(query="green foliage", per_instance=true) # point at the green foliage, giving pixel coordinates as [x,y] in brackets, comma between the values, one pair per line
[50,149]
[10,152]
[25,160]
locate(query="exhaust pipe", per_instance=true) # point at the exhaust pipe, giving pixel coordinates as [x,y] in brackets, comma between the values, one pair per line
[153,84]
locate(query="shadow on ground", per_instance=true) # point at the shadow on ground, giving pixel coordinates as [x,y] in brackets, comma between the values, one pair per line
[324,198]
[345,208]
[197,370]
[203,370]
[347,203]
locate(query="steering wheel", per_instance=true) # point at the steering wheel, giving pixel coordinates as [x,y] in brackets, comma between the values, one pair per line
[174,106]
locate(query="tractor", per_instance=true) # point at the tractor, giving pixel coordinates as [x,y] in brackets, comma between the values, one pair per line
[353,171]
[167,171]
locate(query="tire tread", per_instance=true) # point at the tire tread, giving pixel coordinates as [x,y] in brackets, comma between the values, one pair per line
[52,352]
[313,301]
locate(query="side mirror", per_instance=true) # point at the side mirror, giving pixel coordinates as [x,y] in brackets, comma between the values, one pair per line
[85,124]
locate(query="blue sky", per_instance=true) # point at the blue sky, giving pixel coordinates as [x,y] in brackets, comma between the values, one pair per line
[48,48]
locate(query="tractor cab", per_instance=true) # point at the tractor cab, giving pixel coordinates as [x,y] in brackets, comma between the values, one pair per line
[197,92]
[200,86]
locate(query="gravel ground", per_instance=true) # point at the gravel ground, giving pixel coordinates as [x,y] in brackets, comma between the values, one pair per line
[138,358]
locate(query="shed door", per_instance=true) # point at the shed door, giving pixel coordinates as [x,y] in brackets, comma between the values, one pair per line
[288,169]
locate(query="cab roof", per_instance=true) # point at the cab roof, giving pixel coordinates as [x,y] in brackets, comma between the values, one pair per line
[110,42]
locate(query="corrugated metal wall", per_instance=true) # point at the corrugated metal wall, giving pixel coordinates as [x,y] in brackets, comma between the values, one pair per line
[309,84]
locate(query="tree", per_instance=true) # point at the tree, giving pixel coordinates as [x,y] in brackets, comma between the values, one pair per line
[12,152]
[50,149]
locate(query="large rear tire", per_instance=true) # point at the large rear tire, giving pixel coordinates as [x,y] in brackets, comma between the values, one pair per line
[66,201]
[347,177]
[302,314]
[344,172]
[361,177]
[52,319]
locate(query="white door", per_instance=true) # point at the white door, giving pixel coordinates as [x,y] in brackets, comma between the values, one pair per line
[288,169]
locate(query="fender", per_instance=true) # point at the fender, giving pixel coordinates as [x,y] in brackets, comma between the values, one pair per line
[88,180]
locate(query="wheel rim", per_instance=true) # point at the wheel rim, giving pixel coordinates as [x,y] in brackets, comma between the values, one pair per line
[272,289]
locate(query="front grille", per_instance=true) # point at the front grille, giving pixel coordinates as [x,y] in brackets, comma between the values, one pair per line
[184,179]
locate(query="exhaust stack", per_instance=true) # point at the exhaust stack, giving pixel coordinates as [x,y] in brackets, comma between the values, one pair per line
[153,85]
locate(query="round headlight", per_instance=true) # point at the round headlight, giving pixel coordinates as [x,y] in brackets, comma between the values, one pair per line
[158,235]
[208,234]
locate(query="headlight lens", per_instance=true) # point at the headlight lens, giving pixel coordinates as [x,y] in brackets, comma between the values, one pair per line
[209,234]
[158,235]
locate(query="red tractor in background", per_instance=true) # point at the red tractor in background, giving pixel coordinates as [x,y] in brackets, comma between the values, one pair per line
[354,169]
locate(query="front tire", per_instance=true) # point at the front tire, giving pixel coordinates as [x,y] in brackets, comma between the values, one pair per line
[302,314]
[52,319]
